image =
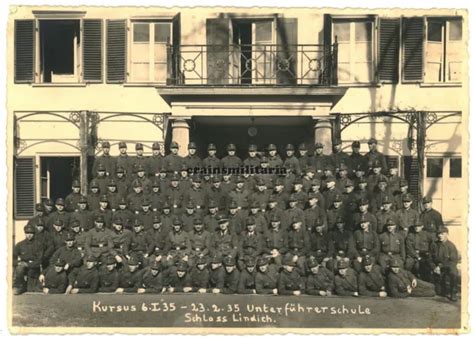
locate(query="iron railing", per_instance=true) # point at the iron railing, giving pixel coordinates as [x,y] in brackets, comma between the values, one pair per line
[248,65]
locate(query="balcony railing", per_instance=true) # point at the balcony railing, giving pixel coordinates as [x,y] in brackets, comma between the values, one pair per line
[249,65]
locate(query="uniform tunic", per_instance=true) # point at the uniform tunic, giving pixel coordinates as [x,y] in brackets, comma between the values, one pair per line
[55,282]
[86,280]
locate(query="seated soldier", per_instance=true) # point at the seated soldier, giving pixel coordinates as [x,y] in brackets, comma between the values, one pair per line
[130,278]
[299,243]
[320,243]
[223,241]
[444,258]
[290,281]
[54,279]
[153,279]
[200,275]
[79,236]
[402,284]
[200,241]
[178,279]
[418,245]
[216,275]
[345,280]
[275,241]
[341,245]
[27,257]
[266,279]
[108,276]
[251,243]
[231,276]
[366,243]
[371,280]
[320,280]
[136,244]
[69,253]
[98,240]
[120,237]
[158,243]
[84,279]
[247,277]
[179,243]
[392,245]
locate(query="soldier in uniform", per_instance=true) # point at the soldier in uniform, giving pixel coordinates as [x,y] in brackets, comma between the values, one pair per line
[79,236]
[299,243]
[54,279]
[361,193]
[372,280]
[223,241]
[379,194]
[139,159]
[393,179]
[73,198]
[172,162]
[197,194]
[341,244]
[247,277]
[252,160]
[258,216]
[303,159]
[69,253]
[236,218]
[45,240]
[275,241]
[119,237]
[122,182]
[231,160]
[93,198]
[418,246]
[216,275]
[338,157]
[174,195]
[179,280]
[154,162]
[444,259]
[39,215]
[291,161]
[216,193]
[108,276]
[156,196]
[137,243]
[356,160]
[231,276]
[261,195]
[273,209]
[292,212]
[319,160]
[83,215]
[266,278]
[342,177]
[105,160]
[180,245]
[345,281]
[212,218]
[374,155]
[211,161]
[58,234]
[98,240]
[113,196]
[158,243]
[349,198]
[364,214]
[366,244]
[290,281]
[200,241]
[135,198]
[375,176]
[48,207]
[279,194]
[104,211]
[320,280]
[142,178]
[402,284]
[251,242]
[336,211]
[58,214]
[153,279]
[299,193]
[101,179]
[406,216]
[384,214]
[331,191]
[200,275]
[392,245]
[130,279]
[145,215]
[431,218]
[27,258]
[319,240]
[274,159]
[189,216]
[84,279]
[124,214]
[399,194]
[123,160]
[192,160]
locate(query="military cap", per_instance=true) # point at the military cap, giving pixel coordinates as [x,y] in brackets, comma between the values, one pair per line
[349,183]
[133,261]
[330,178]
[216,179]
[122,144]
[337,141]
[310,169]
[82,200]
[211,147]
[212,204]
[60,201]
[174,144]
[390,222]
[293,197]
[109,260]
[290,147]
[196,178]
[312,262]
[76,183]
[29,229]
[382,179]
[40,222]
[363,201]
[255,204]
[75,223]
[316,182]
[302,147]
[231,147]
[252,148]
[262,261]
[59,222]
[70,236]
[146,202]
[363,220]
[123,201]
[318,145]
[337,198]
[105,144]
[239,179]
[407,198]
[117,221]
[136,183]
[403,183]
[138,146]
[342,264]
[103,198]
[198,221]
[250,221]
[99,218]
[250,261]
[156,146]
[229,261]
[100,167]
[155,183]
[279,182]
[356,144]
[376,163]
[91,258]
[233,204]
[201,261]
[137,223]
[343,167]
[120,169]
[264,160]
[49,202]
[288,261]
[417,222]
[298,181]
[155,266]
[394,263]
[367,261]
[60,262]
[175,177]
[363,180]
[296,219]
[427,200]
[340,220]
[177,222]
[156,219]
[272,147]
[275,218]
[386,200]
[166,205]
[216,260]
[442,229]
[272,198]
[39,208]
[372,141]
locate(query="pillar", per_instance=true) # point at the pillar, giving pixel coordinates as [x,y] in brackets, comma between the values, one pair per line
[323,133]
[84,147]
[180,134]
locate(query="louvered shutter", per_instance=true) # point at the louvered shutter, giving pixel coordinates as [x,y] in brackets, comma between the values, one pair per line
[287,39]
[217,35]
[412,37]
[329,76]
[116,50]
[92,50]
[412,175]
[24,51]
[24,187]
[389,50]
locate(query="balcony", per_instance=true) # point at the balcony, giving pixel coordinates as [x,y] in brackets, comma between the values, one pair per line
[257,65]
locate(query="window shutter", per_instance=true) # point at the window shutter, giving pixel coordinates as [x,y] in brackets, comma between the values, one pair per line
[174,64]
[412,37]
[24,187]
[116,50]
[287,39]
[217,36]
[329,76]
[412,176]
[389,50]
[24,51]
[92,50]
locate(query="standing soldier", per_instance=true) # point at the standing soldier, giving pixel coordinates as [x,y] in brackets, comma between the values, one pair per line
[303,159]
[69,253]
[372,280]
[331,191]
[342,177]
[104,211]
[196,194]
[122,182]
[384,214]
[158,242]
[101,179]
[113,197]
[364,214]
[93,198]
[418,246]
[251,242]
[48,207]
[345,281]
[274,159]
[137,244]
[247,277]
[146,215]
[154,162]
[142,178]
[83,215]
[216,193]
[336,211]
[43,237]
[309,176]
[366,244]
[123,160]
[124,214]
[39,215]
[200,242]
[105,159]
[356,160]
[156,196]
[393,179]
[174,195]
[108,276]
[54,279]
[172,162]
[216,275]
[59,214]
[338,157]
[290,281]
[139,159]
[349,198]
[73,198]
[135,198]
[320,281]
[211,161]
[223,242]
[315,189]
[192,160]
[98,240]
[431,218]
[130,279]
[211,220]
[402,284]
[444,256]
[399,194]
[231,276]
[200,275]
[392,245]
[374,155]
[299,243]
[120,237]
[231,160]
[291,161]
[319,160]
[379,193]
[58,234]
[153,279]
[252,160]
[84,279]
[266,279]
[375,176]
[27,258]
[239,194]
[407,216]
[362,192]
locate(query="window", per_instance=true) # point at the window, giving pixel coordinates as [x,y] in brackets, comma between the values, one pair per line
[455,168]
[24,187]
[443,60]
[149,51]
[356,50]
[434,167]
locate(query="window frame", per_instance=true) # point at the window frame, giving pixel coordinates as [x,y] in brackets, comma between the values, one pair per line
[440,158]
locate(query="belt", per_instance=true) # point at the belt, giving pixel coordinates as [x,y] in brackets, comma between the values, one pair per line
[79,248]
[197,248]
[177,248]
[99,245]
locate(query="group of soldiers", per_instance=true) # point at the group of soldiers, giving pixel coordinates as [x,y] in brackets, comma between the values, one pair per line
[329,224]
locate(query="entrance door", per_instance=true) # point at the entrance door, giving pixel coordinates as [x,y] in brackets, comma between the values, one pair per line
[57,174]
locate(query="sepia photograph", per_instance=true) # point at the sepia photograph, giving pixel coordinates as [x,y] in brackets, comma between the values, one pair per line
[237,170]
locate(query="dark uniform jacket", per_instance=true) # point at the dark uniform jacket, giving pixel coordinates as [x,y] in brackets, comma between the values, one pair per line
[216,278]
[250,244]
[29,251]
[392,244]
[321,281]
[299,242]
[84,217]
[108,280]
[266,282]
[136,242]
[158,241]
[70,202]
[432,220]
[176,282]
[288,282]
[341,241]
[418,243]
[320,243]
[107,161]
[371,283]
[275,239]
[398,283]
[192,161]
[231,281]
[224,243]
[71,255]
[152,283]
[154,164]
[312,214]
[346,285]
[119,239]
[87,281]
[199,278]
[246,282]
[366,243]
[130,281]
[444,254]
[54,281]
[172,162]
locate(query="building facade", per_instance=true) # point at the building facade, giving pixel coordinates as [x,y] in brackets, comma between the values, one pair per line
[79,76]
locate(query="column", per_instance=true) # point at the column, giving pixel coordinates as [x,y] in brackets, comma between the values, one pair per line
[180,134]
[323,133]
[84,146]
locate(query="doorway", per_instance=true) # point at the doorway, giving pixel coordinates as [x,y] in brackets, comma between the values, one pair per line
[57,174]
